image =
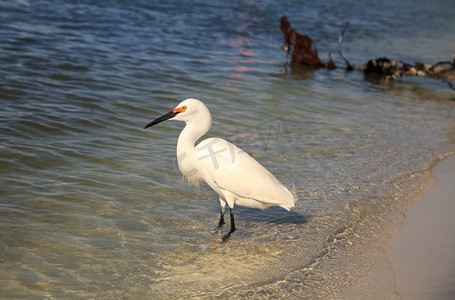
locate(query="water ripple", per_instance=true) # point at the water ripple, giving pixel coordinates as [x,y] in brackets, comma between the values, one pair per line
[92,206]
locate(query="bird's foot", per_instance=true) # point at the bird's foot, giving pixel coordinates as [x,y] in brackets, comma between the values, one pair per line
[220,225]
[217,228]
[227,235]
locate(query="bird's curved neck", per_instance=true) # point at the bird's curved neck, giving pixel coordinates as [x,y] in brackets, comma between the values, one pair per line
[188,137]
[187,158]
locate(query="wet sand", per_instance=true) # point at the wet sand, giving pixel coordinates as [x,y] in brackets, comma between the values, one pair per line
[422,254]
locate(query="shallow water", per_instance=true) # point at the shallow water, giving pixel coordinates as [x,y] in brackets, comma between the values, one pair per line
[92,206]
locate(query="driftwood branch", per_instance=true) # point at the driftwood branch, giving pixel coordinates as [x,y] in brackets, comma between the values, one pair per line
[301,47]
[303,51]
[349,67]
[390,70]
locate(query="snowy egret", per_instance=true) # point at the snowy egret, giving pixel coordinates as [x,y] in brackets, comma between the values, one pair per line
[237,177]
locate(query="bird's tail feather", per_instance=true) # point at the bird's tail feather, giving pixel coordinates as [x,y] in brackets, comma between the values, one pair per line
[293,198]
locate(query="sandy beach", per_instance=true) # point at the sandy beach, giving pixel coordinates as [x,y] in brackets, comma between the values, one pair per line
[422,254]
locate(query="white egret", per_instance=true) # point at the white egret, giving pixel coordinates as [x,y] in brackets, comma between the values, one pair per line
[237,177]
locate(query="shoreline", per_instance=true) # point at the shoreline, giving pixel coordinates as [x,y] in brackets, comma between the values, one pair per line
[421,254]
[414,257]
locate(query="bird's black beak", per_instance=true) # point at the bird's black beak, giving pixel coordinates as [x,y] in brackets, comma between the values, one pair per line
[167,116]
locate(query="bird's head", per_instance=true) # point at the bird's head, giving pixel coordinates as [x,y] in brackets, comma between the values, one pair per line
[187,110]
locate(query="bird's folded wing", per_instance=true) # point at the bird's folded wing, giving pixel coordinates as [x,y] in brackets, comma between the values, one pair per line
[234,170]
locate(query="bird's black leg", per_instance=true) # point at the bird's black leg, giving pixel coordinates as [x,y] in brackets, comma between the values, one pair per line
[221,222]
[227,235]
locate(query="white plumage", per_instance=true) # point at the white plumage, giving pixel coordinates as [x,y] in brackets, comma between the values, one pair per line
[232,173]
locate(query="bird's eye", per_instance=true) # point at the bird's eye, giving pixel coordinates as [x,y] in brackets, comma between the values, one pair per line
[183,108]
